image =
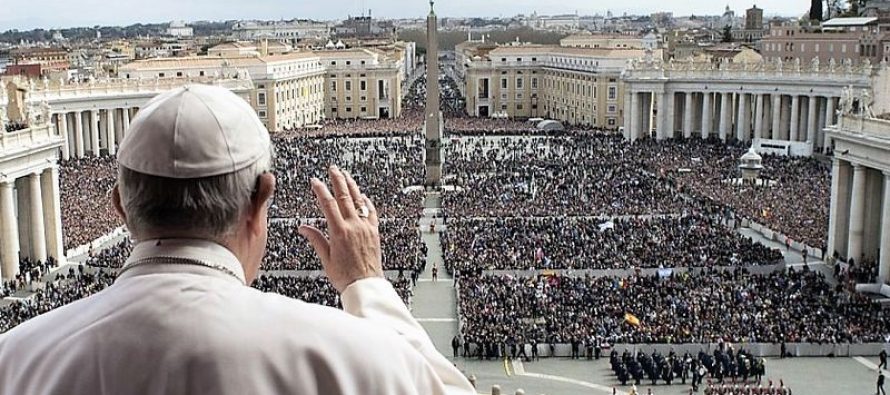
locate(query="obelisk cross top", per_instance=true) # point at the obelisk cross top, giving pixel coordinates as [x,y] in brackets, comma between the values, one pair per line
[431,7]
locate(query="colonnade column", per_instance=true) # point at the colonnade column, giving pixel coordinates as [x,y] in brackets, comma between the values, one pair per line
[9,232]
[884,262]
[94,131]
[724,115]
[38,235]
[829,118]
[811,120]
[707,113]
[126,126]
[63,130]
[687,115]
[110,132]
[795,118]
[744,129]
[52,213]
[78,134]
[857,214]
[669,114]
[635,121]
[660,116]
[777,114]
[627,117]
[758,117]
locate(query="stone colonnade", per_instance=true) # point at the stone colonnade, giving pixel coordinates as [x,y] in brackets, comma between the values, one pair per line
[30,220]
[729,114]
[88,133]
[859,224]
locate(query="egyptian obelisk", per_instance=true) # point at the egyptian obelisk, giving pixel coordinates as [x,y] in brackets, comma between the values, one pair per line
[433,117]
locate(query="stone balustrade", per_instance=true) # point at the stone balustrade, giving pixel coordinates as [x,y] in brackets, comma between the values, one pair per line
[27,138]
[707,70]
[121,86]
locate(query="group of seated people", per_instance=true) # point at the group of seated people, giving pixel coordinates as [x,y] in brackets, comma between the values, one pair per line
[318,290]
[401,244]
[795,203]
[699,306]
[587,175]
[85,201]
[693,240]
[386,168]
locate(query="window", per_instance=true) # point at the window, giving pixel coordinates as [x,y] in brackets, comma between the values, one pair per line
[503,83]
[612,108]
[179,74]
[349,85]
[160,75]
[334,110]
[364,109]
[519,83]
[611,121]
[534,83]
[613,93]
[201,73]
[519,106]
[262,113]
[504,107]
[261,98]
[333,86]
[363,85]
[348,109]
[348,62]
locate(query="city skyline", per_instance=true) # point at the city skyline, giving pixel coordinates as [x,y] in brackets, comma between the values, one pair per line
[67,14]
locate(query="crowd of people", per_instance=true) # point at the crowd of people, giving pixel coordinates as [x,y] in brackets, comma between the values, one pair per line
[318,290]
[402,248]
[703,306]
[795,204]
[541,177]
[386,168]
[86,207]
[692,240]
[13,126]
[74,285]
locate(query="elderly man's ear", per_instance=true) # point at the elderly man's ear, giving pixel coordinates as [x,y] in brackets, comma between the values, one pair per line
[265,189]
[116,203]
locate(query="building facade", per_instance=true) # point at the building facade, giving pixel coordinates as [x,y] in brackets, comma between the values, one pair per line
[859,222]
[579,86]
[774,104]
[361,83]
[288,88]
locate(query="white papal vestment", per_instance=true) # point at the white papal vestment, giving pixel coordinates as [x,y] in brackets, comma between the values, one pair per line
[190,329]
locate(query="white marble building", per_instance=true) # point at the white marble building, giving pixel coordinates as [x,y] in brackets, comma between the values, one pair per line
[782,106]
[30,212]
[859,226]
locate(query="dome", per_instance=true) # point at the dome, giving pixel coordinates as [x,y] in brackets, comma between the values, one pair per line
[550,125]
[751,155]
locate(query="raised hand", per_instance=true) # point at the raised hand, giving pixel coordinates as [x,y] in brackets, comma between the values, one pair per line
[351,250]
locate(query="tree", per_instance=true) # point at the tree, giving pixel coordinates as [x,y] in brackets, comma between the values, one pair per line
[855,8]
[816,10]
[835,8]
[727,34]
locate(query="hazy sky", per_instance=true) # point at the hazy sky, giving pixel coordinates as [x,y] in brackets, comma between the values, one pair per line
[29,14]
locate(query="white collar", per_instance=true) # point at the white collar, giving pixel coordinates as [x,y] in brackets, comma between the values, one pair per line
[195,249]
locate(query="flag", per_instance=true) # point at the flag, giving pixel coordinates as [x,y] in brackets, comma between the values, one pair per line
[631,319]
